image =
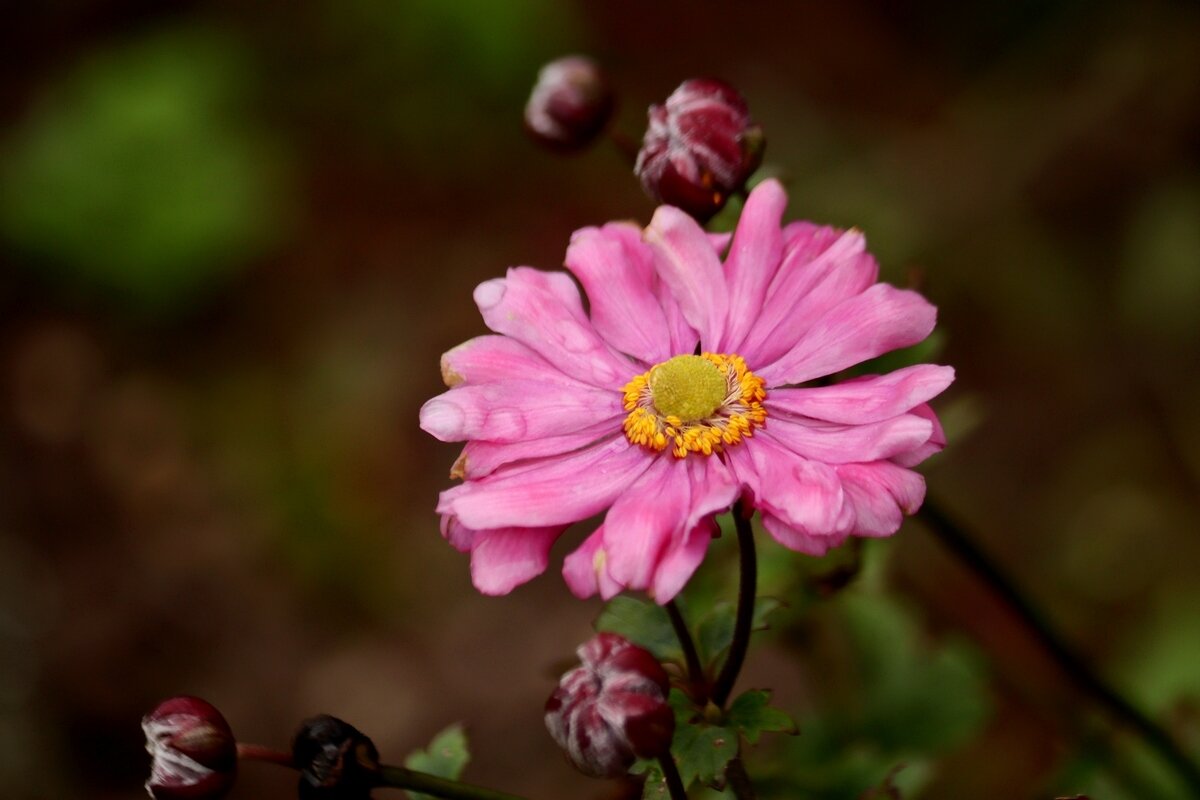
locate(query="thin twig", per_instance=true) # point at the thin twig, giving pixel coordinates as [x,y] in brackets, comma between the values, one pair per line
[747,589]
[401,778]
[671,774]
[696,678]
[952,535]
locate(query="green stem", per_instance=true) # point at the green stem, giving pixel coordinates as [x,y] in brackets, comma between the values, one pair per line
[952,535]
[402,778]
[696,678]
[747,589]
[671,774]
[738,779]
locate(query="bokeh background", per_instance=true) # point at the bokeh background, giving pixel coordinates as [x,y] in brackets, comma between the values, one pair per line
[235,237]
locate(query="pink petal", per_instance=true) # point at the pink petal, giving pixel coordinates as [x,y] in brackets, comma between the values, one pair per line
[660,514]
[504,559]
[881,319]
[834,443]
[719,242]
[817,274]
[801,542]
[481,458]
[543,310]
[617,273]
[586,569]
[753,259]
[688,265]
[936,442]
[552,491]
[681,560]
[516,410]
[487,359]
[881,493]
[805,494]
[460,537]
[866,399]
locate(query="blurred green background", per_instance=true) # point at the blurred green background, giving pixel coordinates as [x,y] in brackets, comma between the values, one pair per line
[235,237]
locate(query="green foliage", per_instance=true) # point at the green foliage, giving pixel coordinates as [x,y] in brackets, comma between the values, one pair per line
[701,751]
[751,715]
[714,632]
[642,622]
[138,176]
[446,757]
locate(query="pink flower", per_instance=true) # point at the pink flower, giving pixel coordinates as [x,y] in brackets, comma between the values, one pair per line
[569,413]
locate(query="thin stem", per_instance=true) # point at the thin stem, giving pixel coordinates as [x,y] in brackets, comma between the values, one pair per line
[1068,659]
[671,774]
[738,779]
[402,778]
[696,677]
[747,589]
[257,752]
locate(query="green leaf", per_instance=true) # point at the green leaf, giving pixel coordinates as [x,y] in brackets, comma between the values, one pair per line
[752,714]
[445,757]
[643,623]
[655,787]
[715,631]
[701,751]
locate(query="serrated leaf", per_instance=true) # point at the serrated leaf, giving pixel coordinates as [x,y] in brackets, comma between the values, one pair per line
[715,631]
[641,622]
[655,787]
[446,757]
[702,751]
[752,715]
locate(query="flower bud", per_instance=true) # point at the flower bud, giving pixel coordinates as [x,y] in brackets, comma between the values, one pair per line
[699,148]
[336,760]
[612,709]
[193,752]
[571,103]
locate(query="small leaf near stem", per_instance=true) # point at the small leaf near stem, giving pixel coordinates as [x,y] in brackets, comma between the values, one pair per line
[697,681]
[744,624]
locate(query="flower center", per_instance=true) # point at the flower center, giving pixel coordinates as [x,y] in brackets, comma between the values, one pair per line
[688,387]
[696,404]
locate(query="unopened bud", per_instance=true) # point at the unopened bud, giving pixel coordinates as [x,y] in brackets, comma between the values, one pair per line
[193,752]
[336,760]
[612,709]
[699,148]
[571,103]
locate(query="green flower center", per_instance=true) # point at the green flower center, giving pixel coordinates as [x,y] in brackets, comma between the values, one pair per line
[688,387]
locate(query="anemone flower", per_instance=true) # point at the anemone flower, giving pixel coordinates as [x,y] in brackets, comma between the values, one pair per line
[688,383]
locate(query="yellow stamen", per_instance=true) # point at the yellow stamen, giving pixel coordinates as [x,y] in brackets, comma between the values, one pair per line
[694,404]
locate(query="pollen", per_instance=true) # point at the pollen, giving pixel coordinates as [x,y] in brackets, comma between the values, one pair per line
[694,404]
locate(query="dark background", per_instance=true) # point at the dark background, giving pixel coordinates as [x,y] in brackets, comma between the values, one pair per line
[235,237]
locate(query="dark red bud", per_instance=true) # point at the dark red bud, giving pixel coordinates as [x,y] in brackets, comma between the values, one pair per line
[336,760]
[570,105]
[699,148]
[193,752]
[612,709]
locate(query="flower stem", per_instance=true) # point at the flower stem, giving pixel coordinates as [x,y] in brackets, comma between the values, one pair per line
[747,589]
[696,678]
[402,778]
[671,774]
[257,752]
[952,535]
[738,779]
